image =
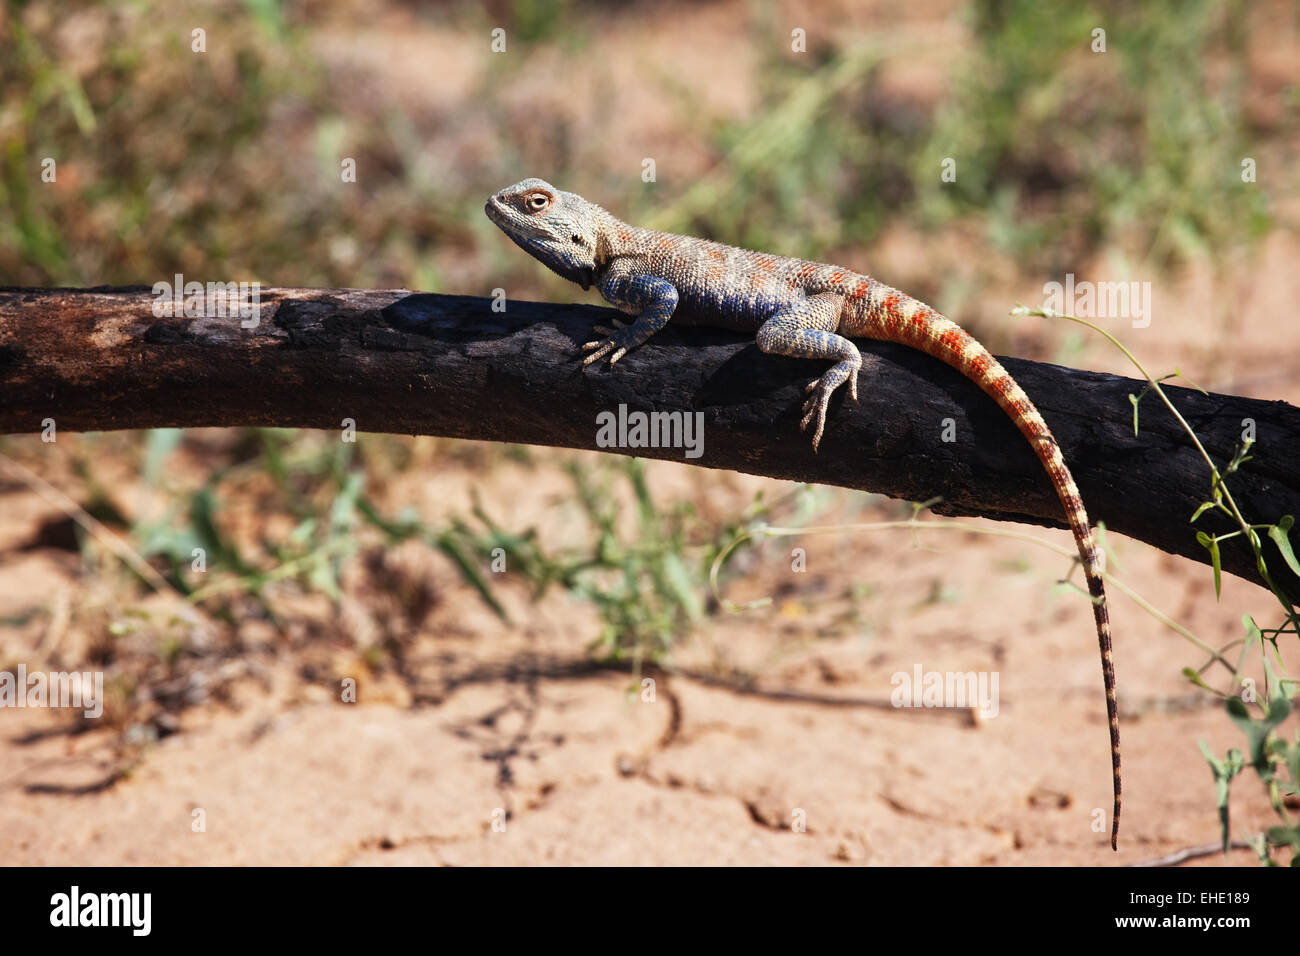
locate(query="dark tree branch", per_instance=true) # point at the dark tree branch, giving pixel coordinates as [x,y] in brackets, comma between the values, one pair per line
[99,359]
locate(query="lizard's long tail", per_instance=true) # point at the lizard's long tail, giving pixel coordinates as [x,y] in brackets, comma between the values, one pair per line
[896,317]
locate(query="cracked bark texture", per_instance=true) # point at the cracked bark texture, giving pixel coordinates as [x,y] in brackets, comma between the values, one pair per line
[97,359]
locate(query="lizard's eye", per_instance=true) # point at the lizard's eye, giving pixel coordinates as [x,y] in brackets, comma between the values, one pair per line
[538,201]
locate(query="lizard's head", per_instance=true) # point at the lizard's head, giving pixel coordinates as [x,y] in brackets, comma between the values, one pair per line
[558,229]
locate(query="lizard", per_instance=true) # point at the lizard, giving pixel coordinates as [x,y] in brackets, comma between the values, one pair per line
[793,307]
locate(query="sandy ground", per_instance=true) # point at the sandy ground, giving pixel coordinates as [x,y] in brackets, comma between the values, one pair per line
[518,731]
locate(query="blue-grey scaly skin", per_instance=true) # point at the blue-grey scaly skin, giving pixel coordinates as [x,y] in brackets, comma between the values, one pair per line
[793,307]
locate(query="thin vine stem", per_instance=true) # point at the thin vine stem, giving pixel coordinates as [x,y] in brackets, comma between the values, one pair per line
[1218,487]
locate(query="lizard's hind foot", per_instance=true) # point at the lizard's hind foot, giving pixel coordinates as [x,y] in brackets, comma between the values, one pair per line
[822,389]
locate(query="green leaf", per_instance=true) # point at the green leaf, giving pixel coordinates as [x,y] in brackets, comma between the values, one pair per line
[203,507]
[321,576]
[1292,758]
[1257,731]
[1285,836]
[404,526]
[1212,545]
[1280,535]
[1254,637]
[1278,711]
[682,586]
[448,545]
[1223,774]
[159,443]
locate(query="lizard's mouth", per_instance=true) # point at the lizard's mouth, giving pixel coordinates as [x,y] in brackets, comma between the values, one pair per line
[496,209]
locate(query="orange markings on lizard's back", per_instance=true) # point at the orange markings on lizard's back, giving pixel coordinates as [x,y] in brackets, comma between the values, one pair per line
[1004,386]
[953,340]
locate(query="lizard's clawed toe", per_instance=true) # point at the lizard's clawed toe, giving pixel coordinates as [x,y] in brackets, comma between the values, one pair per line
[618,342]
[815,407]
[817,434]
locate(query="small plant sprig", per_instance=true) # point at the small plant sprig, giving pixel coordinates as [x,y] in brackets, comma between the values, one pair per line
[1275,761]
[639,578]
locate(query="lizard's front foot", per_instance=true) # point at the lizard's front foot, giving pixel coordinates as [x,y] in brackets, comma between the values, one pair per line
[619,341]
[822,389]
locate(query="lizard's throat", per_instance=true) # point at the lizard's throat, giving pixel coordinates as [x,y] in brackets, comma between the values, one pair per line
[584,276]
[581,273]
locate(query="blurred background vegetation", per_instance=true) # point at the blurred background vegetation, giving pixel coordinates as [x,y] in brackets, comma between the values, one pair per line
[227,162]
[225,165]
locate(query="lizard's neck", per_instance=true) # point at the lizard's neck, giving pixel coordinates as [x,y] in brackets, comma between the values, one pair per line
[616,239]
[613,239]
